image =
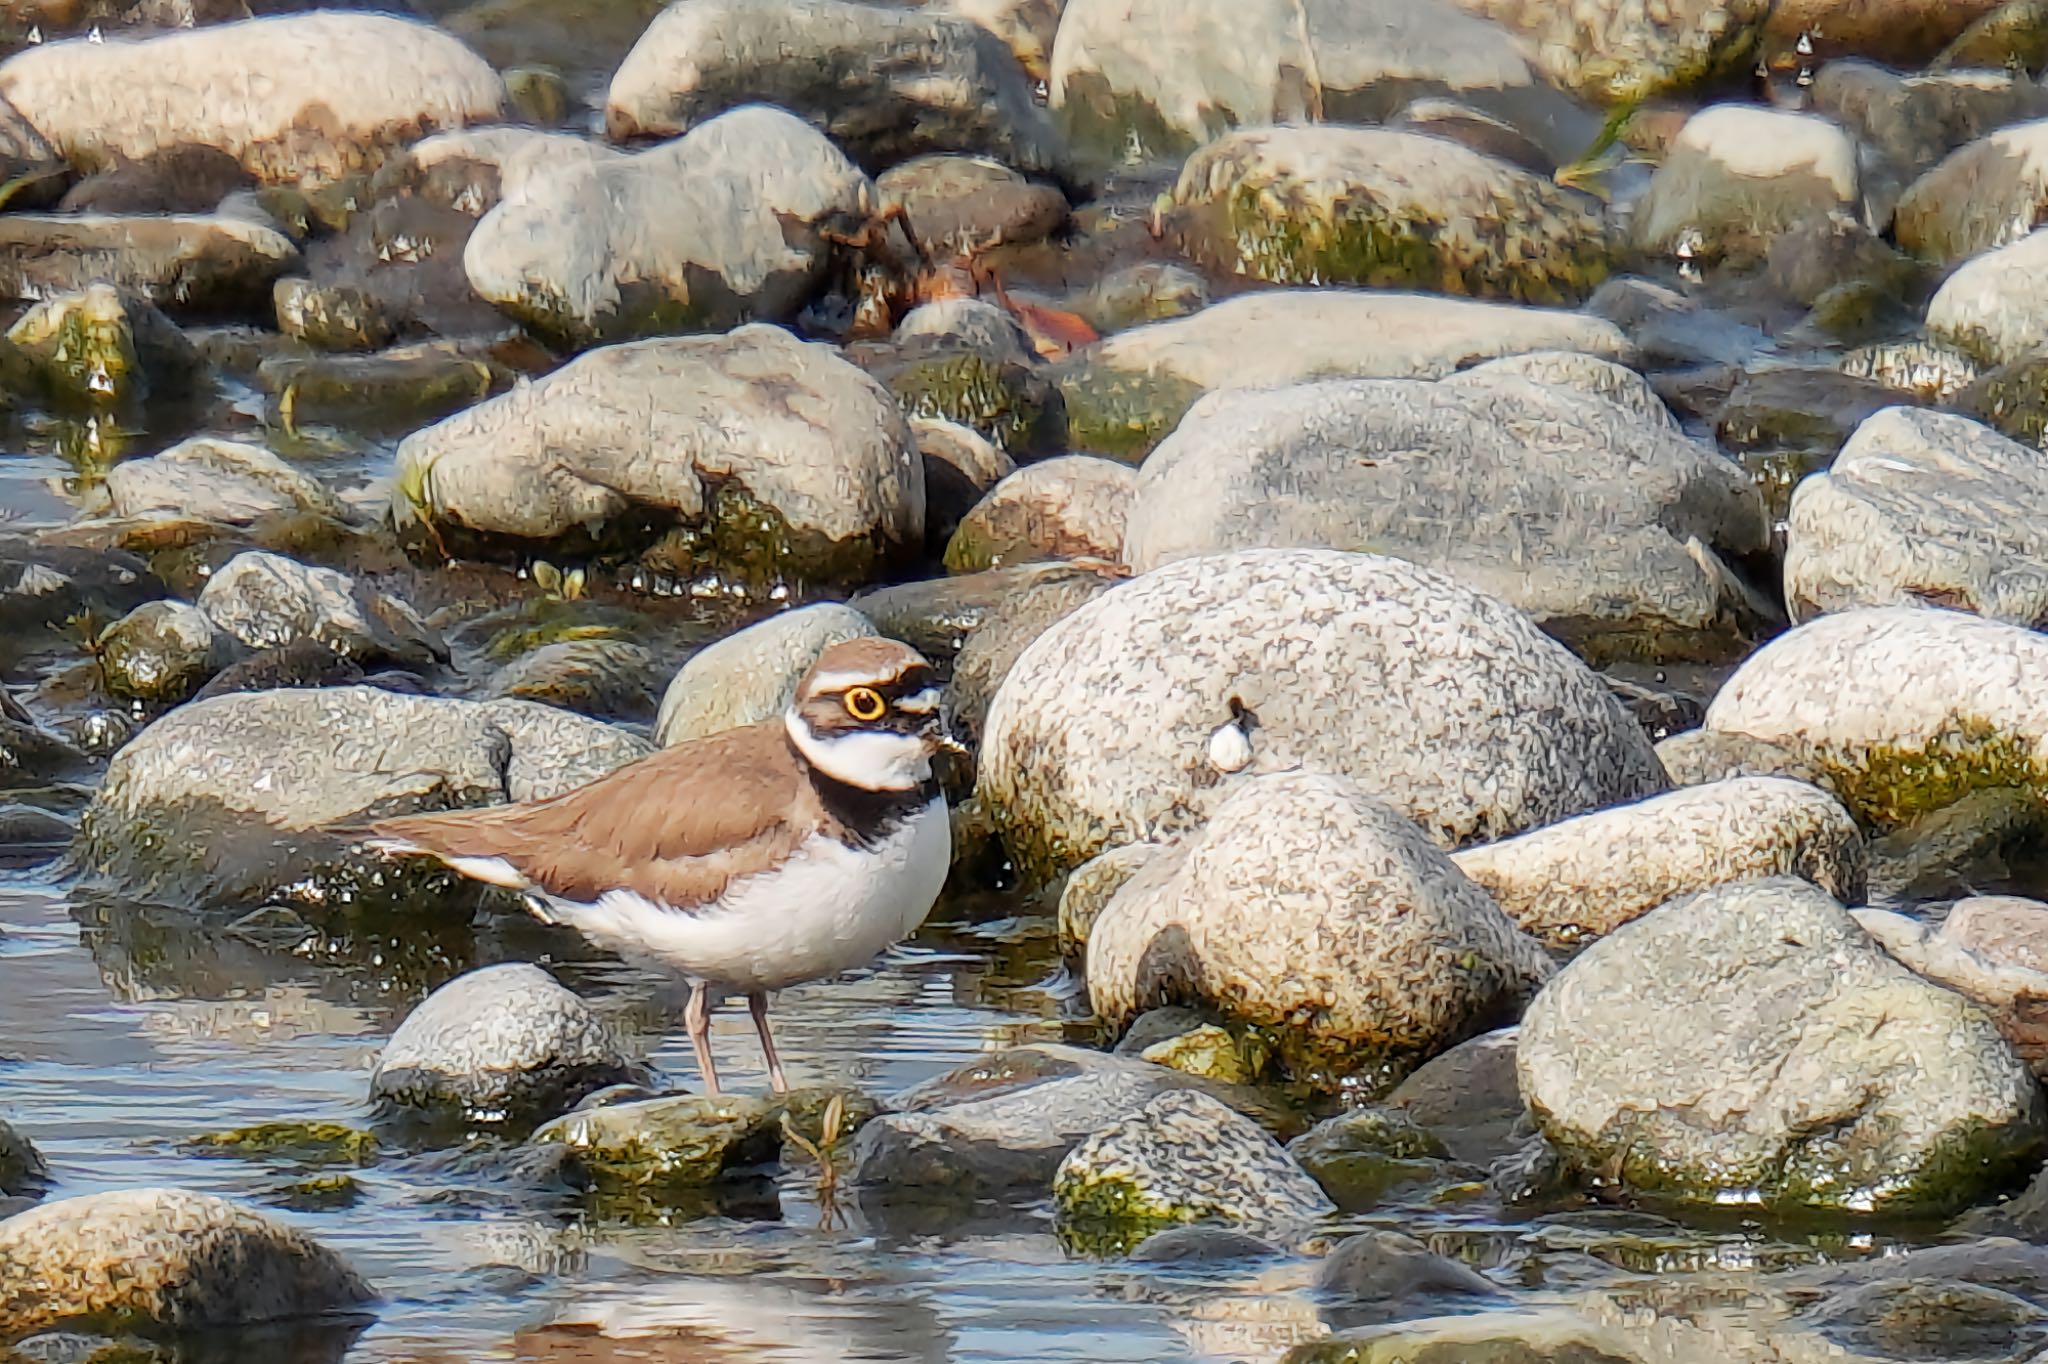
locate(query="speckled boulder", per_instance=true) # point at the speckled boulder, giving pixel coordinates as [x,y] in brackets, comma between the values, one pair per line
[206,478]
[1185,1157]
[1854,1085]
[361,84]
[2008,929]
[2014,994]
[163,651]
[1587,373]
[1606,528]
[1695,757]
[1981,196]
[1091,886]
[265,600]
[967,324]
[751,675]
[885,84]
[1323,204]
[165,1258]
[718,227]
[22,1171]
[1622,51]
[1993,308]
[1903,709]
[224,800]
[1100,732]
[1072,507]
[1007,629]
[1307,907]
[1588,875]
[962,203]
[1916,120]
[751,456]
[1738,175]
[499,1042]
[1922,507]
[1155,78]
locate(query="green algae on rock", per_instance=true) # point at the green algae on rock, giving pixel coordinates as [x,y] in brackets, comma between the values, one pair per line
[304,1144]
[1383,209]
[1621,53]
[102,347]
[1011,402]
[672,1143]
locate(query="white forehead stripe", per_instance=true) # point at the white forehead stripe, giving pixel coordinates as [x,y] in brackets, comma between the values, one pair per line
[920,702]
[869,759]
[841,681]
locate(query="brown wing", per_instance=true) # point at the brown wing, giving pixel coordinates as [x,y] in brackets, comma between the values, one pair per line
[675,827]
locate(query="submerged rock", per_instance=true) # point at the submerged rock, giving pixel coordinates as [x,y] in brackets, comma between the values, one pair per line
[1307,908]
[751,456]
[502,1042]
[1183,1157]
[1381,1275]
[265,600]
[1098,733]
[188,265]
[1361,1156]
[885,84]
[1861,1088]
[1068,508]
[751,674]
[358,84]
[22,1170]
[165,1258]
[667,1143]
[206,478]
[1738,175]
[1588,875]
[102,347]
[1323,204]
[163,651]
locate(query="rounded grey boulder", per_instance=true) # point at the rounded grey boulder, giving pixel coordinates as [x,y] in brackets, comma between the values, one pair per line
[163,651]
[226,481]
[504,1041]
[1071,507]
[1752,1044]
[1306,906]
[166,1257]
[266,600]
[751,674]
[1737,175]
[1993,308]
[1419,688]
[22,1170]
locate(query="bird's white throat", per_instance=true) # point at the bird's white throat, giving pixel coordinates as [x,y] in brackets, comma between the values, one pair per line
[869,759]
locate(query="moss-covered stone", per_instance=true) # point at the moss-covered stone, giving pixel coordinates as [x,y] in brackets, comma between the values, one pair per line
[1886,786]
[1211,1052]
[746,544]
[2012,399]
[318,1193]
[2012,37]
[1926,369]
[309,1144]
[99,348]
[1013,404]
[1362,1156]
[395,391]
[666,1143]
[1120,413]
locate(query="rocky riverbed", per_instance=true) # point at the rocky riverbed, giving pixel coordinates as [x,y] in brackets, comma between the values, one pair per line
[1489,554]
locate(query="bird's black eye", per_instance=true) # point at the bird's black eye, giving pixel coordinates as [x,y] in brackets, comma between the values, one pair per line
[865,704]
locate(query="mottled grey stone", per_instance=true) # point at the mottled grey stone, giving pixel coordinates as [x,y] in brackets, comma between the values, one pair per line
[1005,1120]
[1186,1157]
[970,323]
[1903,709]
[1915,120]
[501,1041]
[103,346]
[1922,507]
[1591,374]
[1607,529]
[1698,756]
[377,80]
[1091,886]
[751,674]
[885,84]
[1006,630]
[1307,906]
[1985,195]
[265,600]
[765,454]
[168,1258]
[163,651]
[22,1171]
[2015,995]
[1622,51]
[1753,1043]
[717,227]
[938,616]
[1993,307]
[222,800]
[605,677]
[1100,731]
[1738,175]
[210,479]
[1383,1274]
[960,204]
[1468,1097]
[184,265]
[1588,875]
[1071,507]
[2009,929]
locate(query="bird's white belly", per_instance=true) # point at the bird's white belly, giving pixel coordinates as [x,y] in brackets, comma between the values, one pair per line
[829,909]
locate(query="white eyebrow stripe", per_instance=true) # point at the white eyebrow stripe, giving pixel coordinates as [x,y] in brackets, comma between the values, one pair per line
[841,681]
[920,703]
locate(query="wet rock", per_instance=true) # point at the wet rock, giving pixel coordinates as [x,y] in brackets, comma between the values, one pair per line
[1903,709]
[1384,1275]
[1004,632]
[332,317]
[1001,393]
[959,204]
[1005,1120]
[2008,929]
[1150,291]
[760,457]
[101,347]
[2014,995]
[1618,53]
[1671,329]
[1903,33]
[189,265]
[27,161]
[301,663]
[1372,951]
[1128,84]
[1924,369]
[1369,206]
[751,675]
[1361,1156]
[1861,1087]
[393,391]
[884,84]
[2011,399]
[718,227]
[969,323]
[1831,262]
[363,83]
[667,1143]
[1468,1098]
[1067,771]
[1208,1051]
[22,1171]
[939,615]
[225,800]
[1786,423]
[1916,120]
[163,651]
[1992,308]
[608,678]
[1587,876]
[1945,852]
[1091,886]
[179,179]
[1184,1157]
[206,478]
[166,1258]
[1201,1246]
[1921,507]
[1606,529]
[1738,175]
[265,600]
[1072,507]
[1985,195]
[1548,1335]
[1466,126]
[43,586]
[960,464]
[33,757]
[500,1042]
[1589,374]
[2013,36]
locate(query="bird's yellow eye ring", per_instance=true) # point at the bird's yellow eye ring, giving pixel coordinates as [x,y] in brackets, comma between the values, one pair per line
[865,703]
